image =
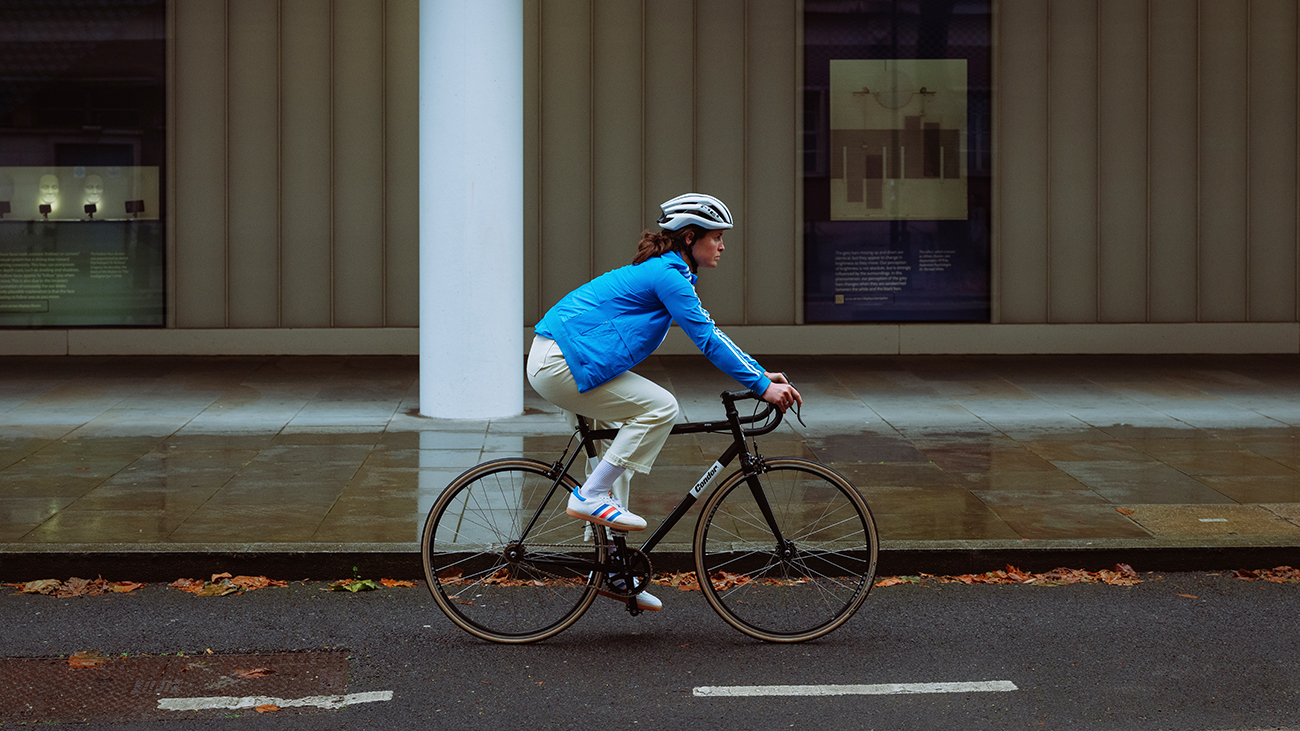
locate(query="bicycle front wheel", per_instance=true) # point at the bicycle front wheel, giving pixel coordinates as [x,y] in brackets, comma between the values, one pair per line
[800,578]
[485,578]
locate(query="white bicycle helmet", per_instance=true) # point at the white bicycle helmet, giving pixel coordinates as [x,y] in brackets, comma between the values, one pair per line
[702,210]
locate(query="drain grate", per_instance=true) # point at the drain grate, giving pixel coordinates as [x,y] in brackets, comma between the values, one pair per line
[49,689]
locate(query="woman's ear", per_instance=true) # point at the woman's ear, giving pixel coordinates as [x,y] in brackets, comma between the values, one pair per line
[689,236]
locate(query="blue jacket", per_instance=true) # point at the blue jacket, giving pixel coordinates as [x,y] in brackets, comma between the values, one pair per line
[616,320]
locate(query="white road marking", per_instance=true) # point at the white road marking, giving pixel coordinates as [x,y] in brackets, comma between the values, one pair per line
[735,691]
[332,702]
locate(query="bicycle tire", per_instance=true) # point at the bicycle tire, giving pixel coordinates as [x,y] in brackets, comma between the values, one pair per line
[463,549]
[813,589]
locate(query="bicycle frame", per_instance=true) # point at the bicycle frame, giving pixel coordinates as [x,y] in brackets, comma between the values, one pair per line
[784,549]
[734,424]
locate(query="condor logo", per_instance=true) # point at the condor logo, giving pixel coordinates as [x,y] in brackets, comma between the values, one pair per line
[706,479]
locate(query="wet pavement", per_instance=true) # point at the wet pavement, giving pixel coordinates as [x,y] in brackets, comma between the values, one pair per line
[147,465]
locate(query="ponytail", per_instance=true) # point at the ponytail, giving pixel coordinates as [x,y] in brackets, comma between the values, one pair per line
[658,244]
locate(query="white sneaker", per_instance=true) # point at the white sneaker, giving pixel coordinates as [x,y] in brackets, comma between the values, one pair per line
[604,510]
[645,601]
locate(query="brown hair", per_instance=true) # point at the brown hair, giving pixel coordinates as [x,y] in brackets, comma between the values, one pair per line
[657,244]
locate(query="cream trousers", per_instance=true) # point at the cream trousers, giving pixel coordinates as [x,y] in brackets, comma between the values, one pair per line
[642,411]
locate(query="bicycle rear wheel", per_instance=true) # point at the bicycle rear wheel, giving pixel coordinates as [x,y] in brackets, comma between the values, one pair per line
[488,582]
[796,589]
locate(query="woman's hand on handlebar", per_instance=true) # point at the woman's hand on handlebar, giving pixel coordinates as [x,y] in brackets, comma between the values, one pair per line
[781,393]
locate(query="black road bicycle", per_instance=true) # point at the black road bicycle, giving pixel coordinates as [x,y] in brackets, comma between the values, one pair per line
[785,548]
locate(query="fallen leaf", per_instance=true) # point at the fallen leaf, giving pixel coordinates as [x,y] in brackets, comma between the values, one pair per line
[221,588]
[266,708]
[502,577]
[684,581]
[224,584]
[896,580]
[724,580]
[255,673]
[392,583]
[354,585]
[1189,596]
[1278,575]
[1119,575]
[248,583]
[41,586]
[123,587]
[82,587]
[1123,511]
[76,587]
[192,586]
[86,659]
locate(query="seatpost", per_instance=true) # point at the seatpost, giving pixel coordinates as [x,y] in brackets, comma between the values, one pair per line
[583,431]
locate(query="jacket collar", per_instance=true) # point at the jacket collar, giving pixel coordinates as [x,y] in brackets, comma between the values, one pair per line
[678,261]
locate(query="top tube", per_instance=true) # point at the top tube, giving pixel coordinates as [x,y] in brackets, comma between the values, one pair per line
[722,425]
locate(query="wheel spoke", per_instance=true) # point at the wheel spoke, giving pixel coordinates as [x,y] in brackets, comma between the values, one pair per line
[827,531]
[464,544]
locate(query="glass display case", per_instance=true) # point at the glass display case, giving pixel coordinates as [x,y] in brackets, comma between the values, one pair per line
[82,144]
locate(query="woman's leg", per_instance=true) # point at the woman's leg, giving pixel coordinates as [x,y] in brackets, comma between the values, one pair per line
[645,410]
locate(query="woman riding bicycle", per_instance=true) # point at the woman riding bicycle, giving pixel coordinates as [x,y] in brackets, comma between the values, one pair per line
[587,343]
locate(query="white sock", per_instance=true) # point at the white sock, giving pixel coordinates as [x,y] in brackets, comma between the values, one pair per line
[600,481]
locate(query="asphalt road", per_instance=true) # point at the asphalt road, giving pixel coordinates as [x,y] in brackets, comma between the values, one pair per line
[1179,651]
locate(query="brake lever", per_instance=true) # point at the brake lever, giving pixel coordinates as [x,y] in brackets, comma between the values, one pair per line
[796,405]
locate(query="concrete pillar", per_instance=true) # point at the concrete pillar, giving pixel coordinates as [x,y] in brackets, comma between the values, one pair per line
[471,208]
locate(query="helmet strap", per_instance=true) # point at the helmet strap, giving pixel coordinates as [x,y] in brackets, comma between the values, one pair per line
[687,252]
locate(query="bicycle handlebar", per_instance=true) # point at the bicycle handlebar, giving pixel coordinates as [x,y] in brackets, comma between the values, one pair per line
[768,408]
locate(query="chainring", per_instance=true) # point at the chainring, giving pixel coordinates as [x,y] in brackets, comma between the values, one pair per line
[638,566]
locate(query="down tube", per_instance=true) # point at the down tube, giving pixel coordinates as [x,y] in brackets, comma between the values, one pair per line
[690,498]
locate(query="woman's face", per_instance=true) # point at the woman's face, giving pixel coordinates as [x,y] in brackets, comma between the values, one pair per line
[708,249]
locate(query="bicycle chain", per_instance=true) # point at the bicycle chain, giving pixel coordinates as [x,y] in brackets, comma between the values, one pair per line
[636,553]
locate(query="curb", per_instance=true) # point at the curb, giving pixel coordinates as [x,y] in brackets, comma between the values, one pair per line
[149,564]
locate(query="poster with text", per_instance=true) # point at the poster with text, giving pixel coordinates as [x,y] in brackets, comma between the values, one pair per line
[897,161]
[81,274]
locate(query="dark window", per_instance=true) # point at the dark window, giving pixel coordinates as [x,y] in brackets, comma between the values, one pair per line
[82,145]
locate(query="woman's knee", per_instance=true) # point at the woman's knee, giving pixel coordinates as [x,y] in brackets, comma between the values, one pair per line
[665,411]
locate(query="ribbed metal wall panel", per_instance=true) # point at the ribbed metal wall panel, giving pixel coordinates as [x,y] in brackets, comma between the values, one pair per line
[1021,114]
[1122,162]
[638,101]
[293,188]
[1146,156]
[1162,135]
[1172,160]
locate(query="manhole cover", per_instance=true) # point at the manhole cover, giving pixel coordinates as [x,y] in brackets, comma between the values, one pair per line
[118,689]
